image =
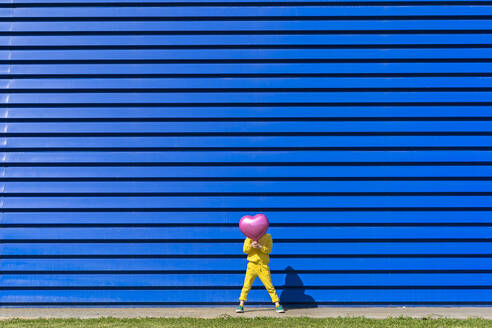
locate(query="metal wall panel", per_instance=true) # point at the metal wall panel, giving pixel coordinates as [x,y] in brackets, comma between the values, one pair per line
[136,134]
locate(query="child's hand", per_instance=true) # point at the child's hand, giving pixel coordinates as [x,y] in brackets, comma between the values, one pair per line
[254,244]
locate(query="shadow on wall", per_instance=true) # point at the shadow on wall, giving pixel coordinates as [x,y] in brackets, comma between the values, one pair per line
[293,295]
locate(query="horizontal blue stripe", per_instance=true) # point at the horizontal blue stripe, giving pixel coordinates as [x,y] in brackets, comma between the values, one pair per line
[250,172]
[218,233]
[183,54]
[246,127]
[349,39]
[332,142]
[387,264]
[245,111]
[289,279]
[346,295]
[291,217]
[244,83]
[248,187]
[246,202]
[249,68]
[235,249]
[251,97]
[248,156]
[314,25]
[246,11]
[203,1]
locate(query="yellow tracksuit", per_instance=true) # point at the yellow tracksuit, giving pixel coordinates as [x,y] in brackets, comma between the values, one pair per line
[258,267]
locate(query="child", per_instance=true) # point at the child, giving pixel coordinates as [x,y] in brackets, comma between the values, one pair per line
[258,266]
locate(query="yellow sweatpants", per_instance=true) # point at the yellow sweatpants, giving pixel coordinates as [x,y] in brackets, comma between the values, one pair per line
[258,270]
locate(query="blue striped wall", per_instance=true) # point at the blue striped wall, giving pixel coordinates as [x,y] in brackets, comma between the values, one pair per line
[136,135]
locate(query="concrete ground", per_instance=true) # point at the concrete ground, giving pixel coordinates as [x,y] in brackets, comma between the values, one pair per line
[214,312]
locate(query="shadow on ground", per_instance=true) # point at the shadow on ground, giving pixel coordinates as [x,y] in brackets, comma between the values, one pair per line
[293,295]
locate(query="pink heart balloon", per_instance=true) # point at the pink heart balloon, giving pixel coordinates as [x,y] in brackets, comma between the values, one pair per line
[254,227]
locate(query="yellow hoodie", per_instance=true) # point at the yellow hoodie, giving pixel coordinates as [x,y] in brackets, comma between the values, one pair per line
[259,255]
